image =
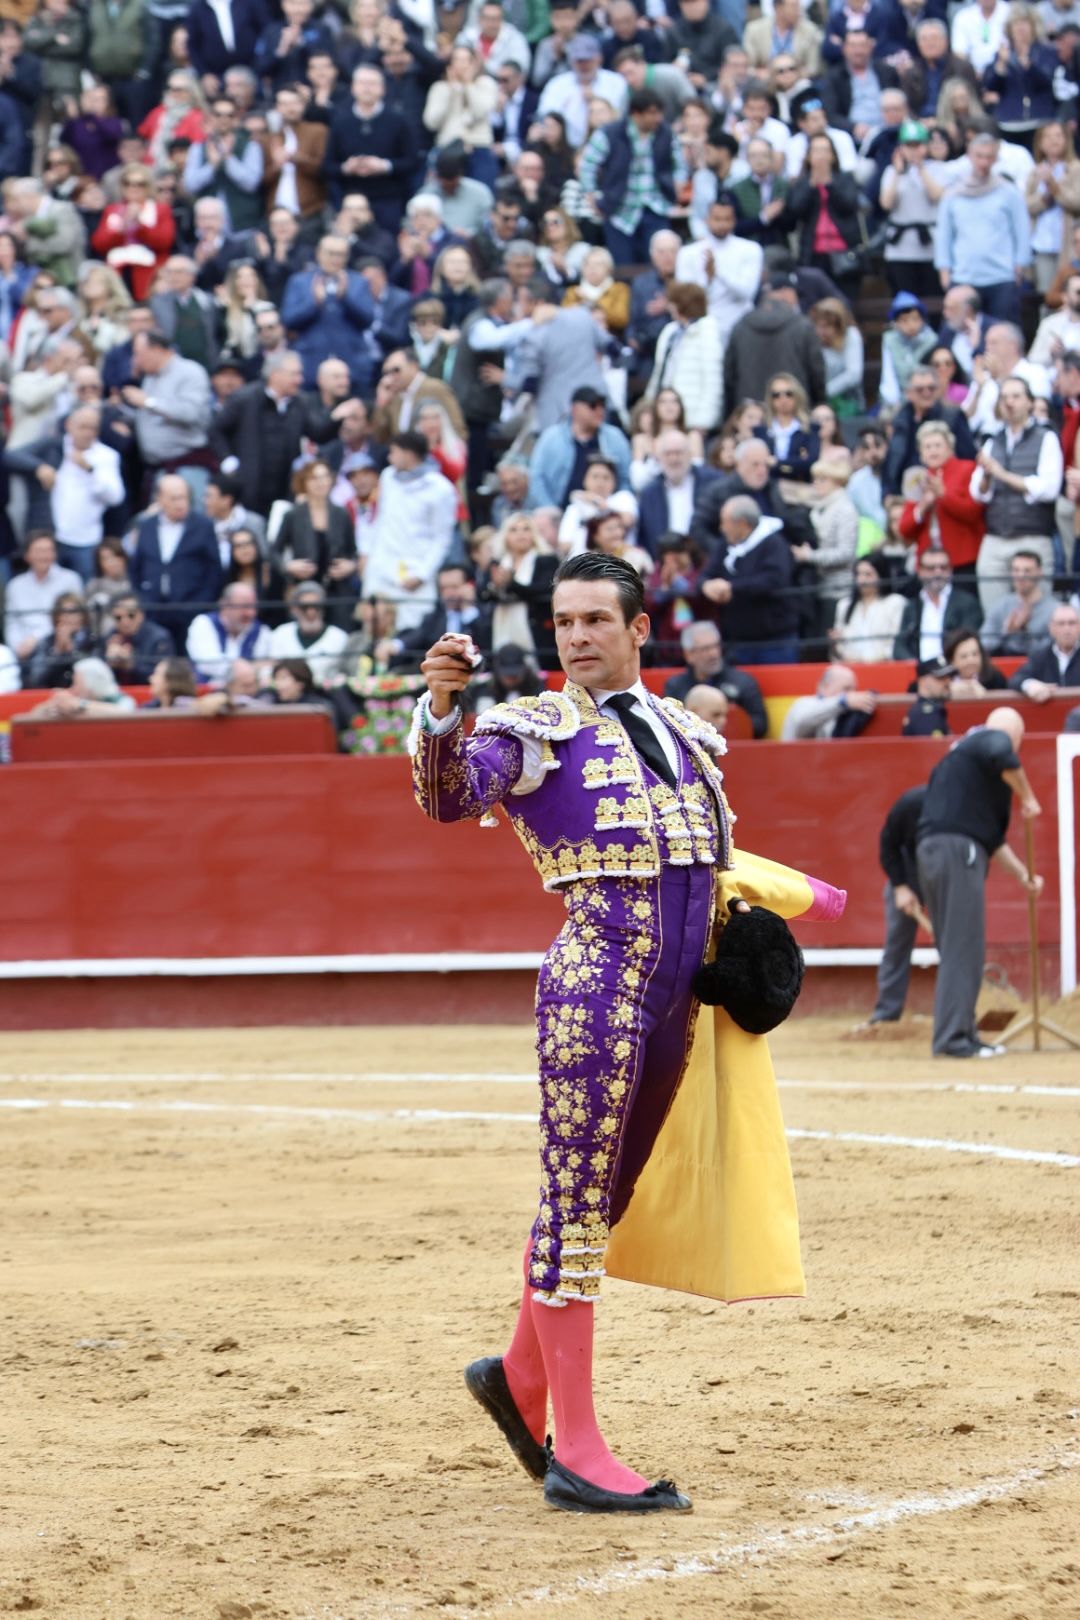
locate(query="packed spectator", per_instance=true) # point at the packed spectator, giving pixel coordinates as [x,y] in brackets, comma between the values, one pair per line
[783,306]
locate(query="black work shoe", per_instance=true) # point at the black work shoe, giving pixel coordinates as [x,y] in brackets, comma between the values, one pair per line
[486,1381]
[571,1493]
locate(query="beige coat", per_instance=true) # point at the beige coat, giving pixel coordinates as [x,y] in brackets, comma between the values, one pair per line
[461,112]
[806,45]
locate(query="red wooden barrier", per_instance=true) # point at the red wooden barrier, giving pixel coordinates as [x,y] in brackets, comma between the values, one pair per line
[173,734]
[329,856]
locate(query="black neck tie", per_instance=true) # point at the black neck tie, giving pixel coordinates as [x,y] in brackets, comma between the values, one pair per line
[642,736]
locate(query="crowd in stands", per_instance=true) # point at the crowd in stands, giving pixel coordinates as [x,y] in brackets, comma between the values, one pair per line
[328,325]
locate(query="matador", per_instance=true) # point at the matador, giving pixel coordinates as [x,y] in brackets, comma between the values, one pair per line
[662,1150]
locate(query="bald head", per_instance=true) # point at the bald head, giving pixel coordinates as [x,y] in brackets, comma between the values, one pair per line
[1008,721]
[839,678]
[709,705]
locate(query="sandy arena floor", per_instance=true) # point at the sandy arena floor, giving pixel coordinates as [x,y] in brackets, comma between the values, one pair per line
[241,1272]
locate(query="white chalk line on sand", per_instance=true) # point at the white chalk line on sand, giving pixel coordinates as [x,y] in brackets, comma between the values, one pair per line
[371,1116]
[438,1077]
[768,1544]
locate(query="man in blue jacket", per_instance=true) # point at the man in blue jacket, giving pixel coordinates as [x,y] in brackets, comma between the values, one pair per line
[176,569]
[210,50]
[330,309]
[562,451]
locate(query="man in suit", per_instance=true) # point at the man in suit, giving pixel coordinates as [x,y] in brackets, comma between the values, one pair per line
[457,612]
[1055,665]
[753,476]
[703,650]
[788,32]
[403,389]
[294,176]
[258,432]
[186,315]
[281,56]
[559,356]
[933,63]
[938,608]
[224,35]
[514,114]
[329,309]
[667,502]
[389,329]
[851,90]
[176,568]
[760,198]
[649,312]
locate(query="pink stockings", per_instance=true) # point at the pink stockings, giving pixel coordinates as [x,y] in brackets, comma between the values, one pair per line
[552,1348]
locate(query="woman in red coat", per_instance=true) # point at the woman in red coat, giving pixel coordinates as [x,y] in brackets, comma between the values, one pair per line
[938,507]
[135,235]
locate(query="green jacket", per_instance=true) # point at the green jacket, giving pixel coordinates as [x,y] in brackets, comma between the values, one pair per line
[56,240]
[117,37]
[61,45]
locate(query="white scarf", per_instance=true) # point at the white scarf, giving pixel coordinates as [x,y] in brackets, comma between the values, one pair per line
[593,295]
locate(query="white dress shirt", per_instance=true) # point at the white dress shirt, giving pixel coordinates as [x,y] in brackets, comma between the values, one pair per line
[1044,484]
[1064,659]
[82,495]
[732,286]
[214,661]
[932,622]
[28,603]
[169,535]
[286,195]
[680,504]
[222,10]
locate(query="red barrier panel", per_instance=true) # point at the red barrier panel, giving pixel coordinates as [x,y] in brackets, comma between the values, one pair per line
[888,719]
[329,856]
[174,734]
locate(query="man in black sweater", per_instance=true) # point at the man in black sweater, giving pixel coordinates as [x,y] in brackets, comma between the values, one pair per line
[371,150]
[964,821]
[903,900]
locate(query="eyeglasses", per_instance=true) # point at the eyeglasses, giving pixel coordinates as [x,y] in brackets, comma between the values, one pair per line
[782,393]
[924,388]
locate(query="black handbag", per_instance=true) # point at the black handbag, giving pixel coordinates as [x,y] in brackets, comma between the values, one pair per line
[858,261]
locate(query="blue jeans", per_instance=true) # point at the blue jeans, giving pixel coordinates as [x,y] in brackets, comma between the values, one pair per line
[634,248]
[1001,301]
[80,558]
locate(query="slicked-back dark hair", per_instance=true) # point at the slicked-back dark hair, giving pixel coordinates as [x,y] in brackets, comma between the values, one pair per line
[593,567]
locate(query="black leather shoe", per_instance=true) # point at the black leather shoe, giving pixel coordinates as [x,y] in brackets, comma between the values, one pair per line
[571,1493]
[486,1381]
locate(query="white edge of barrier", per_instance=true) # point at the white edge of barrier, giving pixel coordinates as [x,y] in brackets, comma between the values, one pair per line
[209,967]
[1068,748]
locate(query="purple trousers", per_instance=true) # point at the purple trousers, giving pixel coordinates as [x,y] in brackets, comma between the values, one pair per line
[615,1021]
